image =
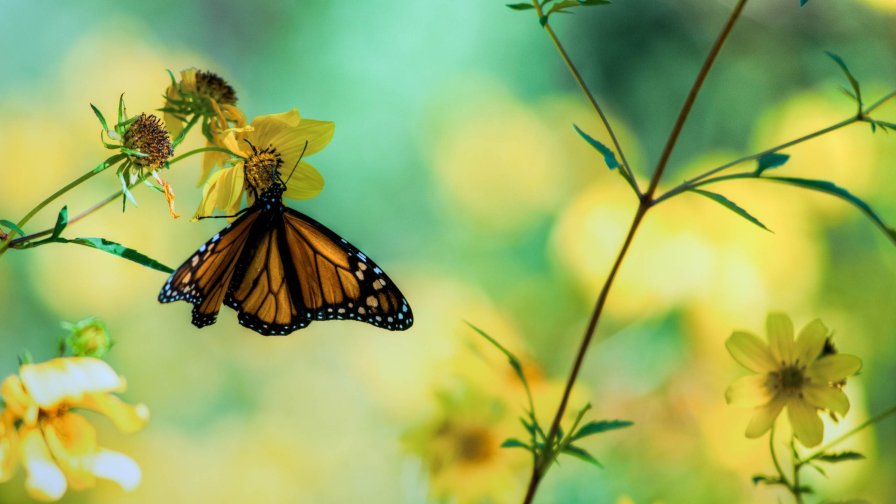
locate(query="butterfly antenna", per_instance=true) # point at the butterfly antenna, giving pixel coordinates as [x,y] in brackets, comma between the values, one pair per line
[297,163]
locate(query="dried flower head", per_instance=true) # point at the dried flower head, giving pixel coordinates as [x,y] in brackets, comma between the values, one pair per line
[149,140]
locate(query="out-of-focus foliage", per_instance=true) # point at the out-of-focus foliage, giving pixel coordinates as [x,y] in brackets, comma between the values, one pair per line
[456,166]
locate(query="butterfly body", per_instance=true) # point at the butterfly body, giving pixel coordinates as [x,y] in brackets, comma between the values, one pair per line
[281,270]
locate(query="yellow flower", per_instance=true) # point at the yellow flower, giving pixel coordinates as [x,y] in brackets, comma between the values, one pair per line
[461,449]
[208,97]
[58,447]
[798,375]
[271,144]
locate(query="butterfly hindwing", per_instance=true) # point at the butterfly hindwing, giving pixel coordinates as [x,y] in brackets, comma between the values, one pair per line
[335,280]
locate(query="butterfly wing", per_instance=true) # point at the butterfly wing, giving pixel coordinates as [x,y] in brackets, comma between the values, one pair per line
[204,278]
[335,280]
[260,291]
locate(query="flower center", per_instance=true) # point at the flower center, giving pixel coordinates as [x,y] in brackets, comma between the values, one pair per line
[148,136]
[261,168]
[211,85]
[788,380]
[474,445]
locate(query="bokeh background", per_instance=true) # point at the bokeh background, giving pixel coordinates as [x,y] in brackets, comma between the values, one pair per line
[455,166]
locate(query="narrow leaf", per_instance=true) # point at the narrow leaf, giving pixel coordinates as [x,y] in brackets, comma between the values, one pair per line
[514,361]
[61,222]
[11,226]
[521,6]
[835,190]
[515,443]
[598,426]
[767,480]
[718,198]
[609,156]
[770,160]
[123,252]
[581,454]
[803,2]
[841,456]
[99,115]
[594,2]
[852,80]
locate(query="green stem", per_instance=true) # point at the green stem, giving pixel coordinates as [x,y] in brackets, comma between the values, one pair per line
[795,489]
[544,462]
[99,168]
[199,150]
[877,418]
[183,133]
[771,448]
[584,87]
[85,213]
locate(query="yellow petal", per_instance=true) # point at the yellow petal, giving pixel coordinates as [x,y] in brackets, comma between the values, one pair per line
[188,79]
[68,378]
[810,342]
[9,446]
[43,479]
[780,336]
[290,142]
[833,368]
[827,398]
[224,190]
[750,352]
[305,182]
[748,392]
[127,418]
[117,467]
[72,442]
[172,123]
[807,427]
[266,127]
[17,400]
[764,417]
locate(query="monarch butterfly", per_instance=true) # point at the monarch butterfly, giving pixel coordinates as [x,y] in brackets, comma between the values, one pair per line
[281,270]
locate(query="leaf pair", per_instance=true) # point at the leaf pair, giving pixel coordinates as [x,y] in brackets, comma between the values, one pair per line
[554,7]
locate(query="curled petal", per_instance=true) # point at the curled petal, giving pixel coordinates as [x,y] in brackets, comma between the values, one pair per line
[127,418]
[117,467]
[764,417]
[43,479]
[223,191]
[305,182]
[807,426]
[780,336]
[826,398]
[748,391]
[750,352]
[17,400]
[68,378]
[810,342]
[833,368]
[72,442]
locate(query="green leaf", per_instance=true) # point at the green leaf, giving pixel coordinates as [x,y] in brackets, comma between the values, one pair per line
[598,426]
[514,361]
[99,115]
[61,222]
[521,6]
[123,252]
[121,111]
[803,2]
[718,198]
[609,156]
[852,80]
[589,3]
[11,226]
[515,443]
[580,454]
[767,480]
[840,457]
[835,190]
[770,160]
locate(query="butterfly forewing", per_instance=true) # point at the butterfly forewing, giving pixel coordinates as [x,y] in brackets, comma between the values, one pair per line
[337,281]
[204,278]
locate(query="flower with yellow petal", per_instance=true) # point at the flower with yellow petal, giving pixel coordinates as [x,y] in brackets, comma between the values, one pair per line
[798,375]
[272,146]
[203,96]
[56,445]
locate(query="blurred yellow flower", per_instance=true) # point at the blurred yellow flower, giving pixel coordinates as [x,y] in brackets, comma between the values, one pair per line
[58,447]
[799,375]
[461,449]
[207,97]
[272,144]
